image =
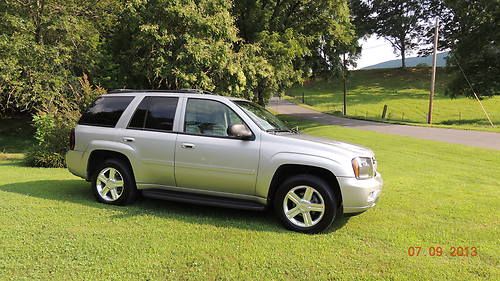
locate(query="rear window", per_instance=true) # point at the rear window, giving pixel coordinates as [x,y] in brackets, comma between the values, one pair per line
[105,111]
[155,113]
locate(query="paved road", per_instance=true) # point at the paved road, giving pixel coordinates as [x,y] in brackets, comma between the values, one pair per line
[472,138]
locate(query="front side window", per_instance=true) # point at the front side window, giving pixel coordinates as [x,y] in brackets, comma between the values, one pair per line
[208,117]
[105,111]
[155,113]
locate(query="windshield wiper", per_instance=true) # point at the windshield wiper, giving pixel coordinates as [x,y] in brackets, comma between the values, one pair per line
[276,130]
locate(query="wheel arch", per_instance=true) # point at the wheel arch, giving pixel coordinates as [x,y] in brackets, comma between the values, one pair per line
[286,170]
[100,155]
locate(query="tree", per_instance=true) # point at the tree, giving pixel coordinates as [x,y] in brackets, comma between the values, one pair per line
[178,44]
[401,22]
[45,45]
[246,48]
[297,38]
[471,31]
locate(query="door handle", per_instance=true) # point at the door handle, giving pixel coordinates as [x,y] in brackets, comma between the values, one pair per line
[188,145]
[128,139]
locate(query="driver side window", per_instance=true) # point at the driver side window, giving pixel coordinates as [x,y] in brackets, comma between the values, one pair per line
[209,118]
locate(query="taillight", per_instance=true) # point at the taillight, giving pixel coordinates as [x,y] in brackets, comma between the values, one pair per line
[72,139]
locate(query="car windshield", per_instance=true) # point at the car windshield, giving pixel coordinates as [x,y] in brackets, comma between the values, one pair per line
[264,119]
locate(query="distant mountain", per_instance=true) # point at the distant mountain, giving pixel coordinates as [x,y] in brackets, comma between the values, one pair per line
[411,62]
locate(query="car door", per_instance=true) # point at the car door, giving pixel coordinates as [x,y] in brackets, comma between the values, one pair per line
[150,134]
[206,158]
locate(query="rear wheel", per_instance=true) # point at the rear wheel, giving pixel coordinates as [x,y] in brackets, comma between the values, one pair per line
[112,183]
[305,203]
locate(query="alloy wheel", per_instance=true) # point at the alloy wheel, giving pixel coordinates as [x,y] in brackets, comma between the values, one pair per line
[304,206]
[109,184]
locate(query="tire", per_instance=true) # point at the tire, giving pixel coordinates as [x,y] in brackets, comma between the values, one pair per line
[123,194]
[321,194]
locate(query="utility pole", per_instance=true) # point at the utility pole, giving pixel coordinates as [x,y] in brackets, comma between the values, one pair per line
[345,86]
[433,79]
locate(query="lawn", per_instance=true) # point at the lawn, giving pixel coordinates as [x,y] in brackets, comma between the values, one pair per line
[434,194]
[405,92]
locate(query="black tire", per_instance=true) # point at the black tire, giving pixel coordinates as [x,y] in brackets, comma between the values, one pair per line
[129,190]
[319,185]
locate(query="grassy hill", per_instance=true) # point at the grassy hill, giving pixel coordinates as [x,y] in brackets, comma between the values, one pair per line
[411,62]
[405,92]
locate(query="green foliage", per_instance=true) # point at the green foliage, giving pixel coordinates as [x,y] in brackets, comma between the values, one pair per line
[422,65]
[323,30]
[252,50]
[472,32]
[45,45]
[166,44]
[178,44]
[54,123]
[51,141]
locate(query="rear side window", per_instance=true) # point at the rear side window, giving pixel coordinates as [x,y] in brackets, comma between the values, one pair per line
[155,113]
[105,111]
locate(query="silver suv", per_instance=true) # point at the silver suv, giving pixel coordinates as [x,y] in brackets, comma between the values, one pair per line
[196,147]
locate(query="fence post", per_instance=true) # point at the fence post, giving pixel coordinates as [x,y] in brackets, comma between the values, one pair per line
[303,97]
[384,112]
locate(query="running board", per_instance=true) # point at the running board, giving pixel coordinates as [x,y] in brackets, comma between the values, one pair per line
[203,199]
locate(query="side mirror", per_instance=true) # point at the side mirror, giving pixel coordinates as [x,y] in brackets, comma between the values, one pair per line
[239,131]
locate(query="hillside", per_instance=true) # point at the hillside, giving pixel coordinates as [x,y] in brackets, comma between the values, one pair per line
[405,92]
[411,62]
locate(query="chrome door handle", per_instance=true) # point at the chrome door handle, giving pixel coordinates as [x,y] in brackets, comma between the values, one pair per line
[128,139]
[188,145]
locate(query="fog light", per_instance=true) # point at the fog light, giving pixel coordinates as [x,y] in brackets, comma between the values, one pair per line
[372,196]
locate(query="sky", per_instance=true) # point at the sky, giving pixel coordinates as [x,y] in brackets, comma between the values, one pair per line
[374,50]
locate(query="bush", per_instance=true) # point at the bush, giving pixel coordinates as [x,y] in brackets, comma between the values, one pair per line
[51,136]
[54,122]
[422,65]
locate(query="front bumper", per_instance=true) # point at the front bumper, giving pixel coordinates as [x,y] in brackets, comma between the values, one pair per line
[360,195]
[75,163]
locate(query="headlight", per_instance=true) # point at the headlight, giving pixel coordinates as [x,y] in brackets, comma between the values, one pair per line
[363,167]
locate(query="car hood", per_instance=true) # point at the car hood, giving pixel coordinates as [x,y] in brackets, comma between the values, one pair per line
[337,147]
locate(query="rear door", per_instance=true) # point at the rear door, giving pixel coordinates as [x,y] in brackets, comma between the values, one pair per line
[150,134]
[206,158]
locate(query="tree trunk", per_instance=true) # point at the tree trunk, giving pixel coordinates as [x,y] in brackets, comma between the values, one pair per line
[40,5]
[260,97]
[403,55]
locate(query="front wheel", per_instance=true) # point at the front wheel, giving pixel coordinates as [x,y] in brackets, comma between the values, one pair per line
[113,183]
[305,203]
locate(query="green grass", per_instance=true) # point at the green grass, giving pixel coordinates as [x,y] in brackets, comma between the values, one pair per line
[405,92]
[434,194]
[16,135]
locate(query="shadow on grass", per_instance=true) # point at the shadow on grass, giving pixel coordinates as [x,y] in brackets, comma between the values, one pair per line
[79,192]
[465,122]
[16,134]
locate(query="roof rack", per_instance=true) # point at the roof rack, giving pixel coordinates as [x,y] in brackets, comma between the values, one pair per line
[182,91]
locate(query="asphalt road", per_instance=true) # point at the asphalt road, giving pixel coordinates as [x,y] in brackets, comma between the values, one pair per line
[487,140]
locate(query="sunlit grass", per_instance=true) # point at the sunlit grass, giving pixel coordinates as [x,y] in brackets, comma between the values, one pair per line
[406,93]
[434,194]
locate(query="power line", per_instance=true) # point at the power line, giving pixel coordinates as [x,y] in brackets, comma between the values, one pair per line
[472,89]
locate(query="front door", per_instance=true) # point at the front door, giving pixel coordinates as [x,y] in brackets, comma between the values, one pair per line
[207,158]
